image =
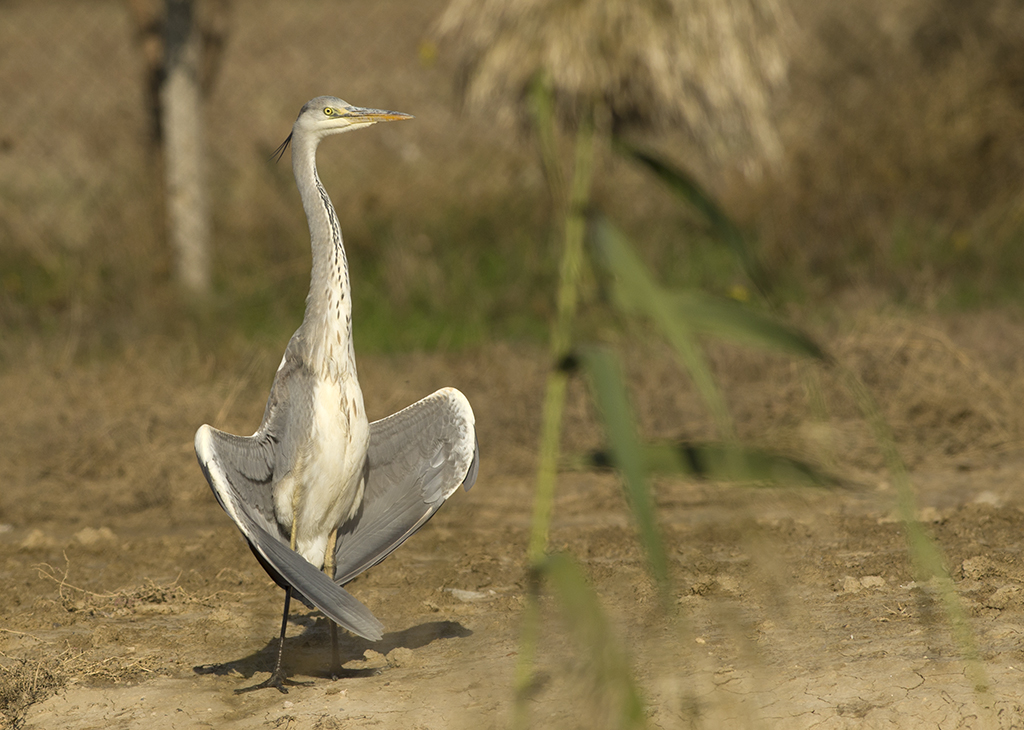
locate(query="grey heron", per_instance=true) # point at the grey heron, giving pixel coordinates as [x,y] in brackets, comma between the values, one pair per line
[317,486]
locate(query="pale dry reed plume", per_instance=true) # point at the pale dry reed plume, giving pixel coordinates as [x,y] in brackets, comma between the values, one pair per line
[711,67]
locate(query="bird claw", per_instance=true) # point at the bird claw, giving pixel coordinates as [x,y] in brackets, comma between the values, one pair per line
[279,682]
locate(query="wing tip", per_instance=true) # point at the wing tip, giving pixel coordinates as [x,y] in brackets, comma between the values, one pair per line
[374,634]
[206,454]
[461,402]
[474,466]
[204,435]
[457,396]
[334,601]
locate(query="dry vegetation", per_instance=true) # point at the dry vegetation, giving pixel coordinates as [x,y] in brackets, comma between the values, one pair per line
[902,133]
[710,69]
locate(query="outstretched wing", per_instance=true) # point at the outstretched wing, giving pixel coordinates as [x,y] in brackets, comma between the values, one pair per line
[417,458]
[241,473]
[249,465]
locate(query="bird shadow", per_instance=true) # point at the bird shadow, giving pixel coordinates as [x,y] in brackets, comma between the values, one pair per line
[309,653]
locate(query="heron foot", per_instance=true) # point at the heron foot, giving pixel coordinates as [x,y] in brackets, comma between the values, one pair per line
[276,680]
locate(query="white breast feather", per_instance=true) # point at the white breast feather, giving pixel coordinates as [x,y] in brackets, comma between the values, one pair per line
[330,475]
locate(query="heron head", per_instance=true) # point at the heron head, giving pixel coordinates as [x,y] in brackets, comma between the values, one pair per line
[327,115]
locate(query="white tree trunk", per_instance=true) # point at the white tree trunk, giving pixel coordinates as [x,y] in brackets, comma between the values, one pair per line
[182,122]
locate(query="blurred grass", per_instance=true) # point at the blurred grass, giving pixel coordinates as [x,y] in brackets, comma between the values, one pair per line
[901,127]
[490,274]
[450,282]
[447,274]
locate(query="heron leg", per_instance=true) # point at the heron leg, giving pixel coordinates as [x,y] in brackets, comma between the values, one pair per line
[277,679]
[329,566]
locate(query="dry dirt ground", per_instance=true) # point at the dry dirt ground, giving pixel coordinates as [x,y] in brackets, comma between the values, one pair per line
[795,608]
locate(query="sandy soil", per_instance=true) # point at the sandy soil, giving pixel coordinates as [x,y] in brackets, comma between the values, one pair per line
[131,601]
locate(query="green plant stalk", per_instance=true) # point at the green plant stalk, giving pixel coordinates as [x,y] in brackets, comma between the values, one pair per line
[925,553]
[543,113]
[561,340]
[554,404]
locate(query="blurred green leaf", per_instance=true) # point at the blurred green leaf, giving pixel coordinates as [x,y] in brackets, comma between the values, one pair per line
[732,320]
[613,403]
[637,293]
[698,312]
[716,461]
[690,190]
[582,611]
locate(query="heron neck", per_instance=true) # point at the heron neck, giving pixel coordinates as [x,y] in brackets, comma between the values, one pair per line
[327,324]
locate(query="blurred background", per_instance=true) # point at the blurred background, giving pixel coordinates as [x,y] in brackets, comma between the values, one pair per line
[882,152]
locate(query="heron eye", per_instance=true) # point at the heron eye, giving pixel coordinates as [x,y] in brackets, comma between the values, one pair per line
[328,111]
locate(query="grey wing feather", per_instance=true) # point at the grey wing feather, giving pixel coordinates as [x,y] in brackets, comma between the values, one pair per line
[417,458]
[335,602]
[240,471]
[249,464]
